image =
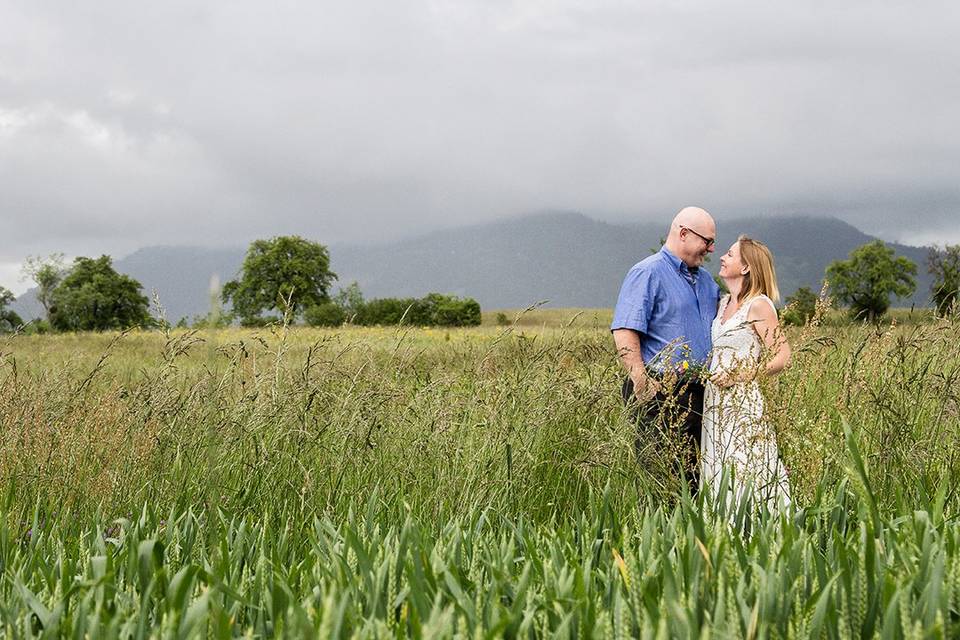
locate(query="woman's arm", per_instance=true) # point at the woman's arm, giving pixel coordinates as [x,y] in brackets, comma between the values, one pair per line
[763,319]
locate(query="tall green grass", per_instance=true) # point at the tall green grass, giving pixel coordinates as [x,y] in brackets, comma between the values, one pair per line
[386,482]
[828,570]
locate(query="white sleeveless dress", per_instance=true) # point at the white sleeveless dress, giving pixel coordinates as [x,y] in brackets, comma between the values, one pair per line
[735,434]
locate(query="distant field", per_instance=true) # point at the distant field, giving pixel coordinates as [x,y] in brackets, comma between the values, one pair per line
[482,482]
[550,317]
[600,318]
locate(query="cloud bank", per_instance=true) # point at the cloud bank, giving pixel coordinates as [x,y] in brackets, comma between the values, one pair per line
[124,124]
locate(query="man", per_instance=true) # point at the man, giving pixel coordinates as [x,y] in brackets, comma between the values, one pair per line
[661,327]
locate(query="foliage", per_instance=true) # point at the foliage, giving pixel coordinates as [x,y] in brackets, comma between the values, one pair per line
[866,280]
[800,307]
[215,319]
[434,309]
[47,273]
[326,314]
[285,271]
[371,482]
[502,320]
[9,320]
[386,311]
[350,299]
[683,571]
[944,265]
[94,297]
[37,327]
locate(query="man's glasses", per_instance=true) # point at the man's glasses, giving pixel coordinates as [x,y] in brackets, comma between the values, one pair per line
[710,241]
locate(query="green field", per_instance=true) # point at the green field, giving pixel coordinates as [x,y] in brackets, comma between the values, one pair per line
[461,483]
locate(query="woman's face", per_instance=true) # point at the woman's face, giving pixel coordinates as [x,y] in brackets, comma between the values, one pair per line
[731,265]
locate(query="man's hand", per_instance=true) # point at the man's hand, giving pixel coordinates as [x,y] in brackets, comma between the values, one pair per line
[645,388]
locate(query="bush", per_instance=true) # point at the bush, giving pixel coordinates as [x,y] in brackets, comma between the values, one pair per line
[432,310]
[502,319]
[383,311]
[800,308]
[327,314]
[944,266]
[37,327]
[257,322]
[453,312]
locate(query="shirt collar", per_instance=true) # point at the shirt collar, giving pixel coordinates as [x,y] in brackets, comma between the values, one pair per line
[680,265]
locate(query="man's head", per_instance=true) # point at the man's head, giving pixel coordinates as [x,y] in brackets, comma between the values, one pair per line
[692,235]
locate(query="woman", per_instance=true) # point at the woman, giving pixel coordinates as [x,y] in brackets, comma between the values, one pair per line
[747,344]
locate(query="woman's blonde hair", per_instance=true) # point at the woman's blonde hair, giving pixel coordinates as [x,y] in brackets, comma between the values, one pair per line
[762,277]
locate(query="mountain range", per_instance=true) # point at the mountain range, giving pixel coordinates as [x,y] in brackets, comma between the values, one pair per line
[565,258]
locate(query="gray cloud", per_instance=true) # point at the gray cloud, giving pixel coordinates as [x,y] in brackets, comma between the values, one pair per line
[123,124]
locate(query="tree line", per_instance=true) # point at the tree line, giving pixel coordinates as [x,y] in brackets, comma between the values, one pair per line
[872,273]
[288,278]
[283,279]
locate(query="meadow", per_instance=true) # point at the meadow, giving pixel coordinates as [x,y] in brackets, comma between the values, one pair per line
[399,482]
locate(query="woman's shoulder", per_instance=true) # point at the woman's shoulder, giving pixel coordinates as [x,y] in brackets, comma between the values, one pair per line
[763,308]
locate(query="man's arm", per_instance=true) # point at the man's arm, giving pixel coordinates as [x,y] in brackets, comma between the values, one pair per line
[627,342]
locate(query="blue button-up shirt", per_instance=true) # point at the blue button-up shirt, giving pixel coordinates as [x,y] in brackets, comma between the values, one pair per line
[672,307]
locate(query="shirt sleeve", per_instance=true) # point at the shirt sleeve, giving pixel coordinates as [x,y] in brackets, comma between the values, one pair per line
[635,303]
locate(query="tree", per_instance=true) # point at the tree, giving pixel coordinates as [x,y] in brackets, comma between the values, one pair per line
[800,307]
[94,297]
[277,272]
[944,265]
[350,299]
[9,320]
[867,279]
[47,274]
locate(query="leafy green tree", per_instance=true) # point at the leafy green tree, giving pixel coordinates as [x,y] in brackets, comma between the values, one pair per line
[867,279]
[282,271]
[350,299]
[800,307]
[94,297]
[9,320]
[944,265]
[47,274]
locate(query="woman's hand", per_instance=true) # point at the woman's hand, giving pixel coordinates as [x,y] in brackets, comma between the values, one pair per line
[728,378]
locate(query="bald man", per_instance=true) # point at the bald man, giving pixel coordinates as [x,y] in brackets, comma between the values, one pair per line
[661,327]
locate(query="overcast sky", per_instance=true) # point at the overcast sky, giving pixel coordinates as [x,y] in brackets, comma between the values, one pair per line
[125,124]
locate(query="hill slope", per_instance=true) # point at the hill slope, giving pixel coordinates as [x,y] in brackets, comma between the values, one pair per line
[566,258]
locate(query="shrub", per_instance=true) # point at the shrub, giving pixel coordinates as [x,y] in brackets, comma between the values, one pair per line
[454,312]
[434,309]
[944,266]
[327,314]
[800,308]
[383,311]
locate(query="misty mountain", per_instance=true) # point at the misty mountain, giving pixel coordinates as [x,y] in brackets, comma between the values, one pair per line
[566,258]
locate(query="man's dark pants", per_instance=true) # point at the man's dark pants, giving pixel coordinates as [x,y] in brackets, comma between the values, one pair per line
[678,412]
